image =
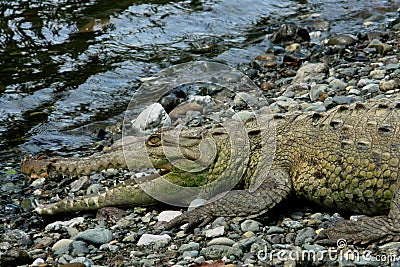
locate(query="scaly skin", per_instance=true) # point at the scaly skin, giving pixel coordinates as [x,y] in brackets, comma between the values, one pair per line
[345,159]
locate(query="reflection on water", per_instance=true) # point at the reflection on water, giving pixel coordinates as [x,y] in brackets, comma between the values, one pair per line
[68,64]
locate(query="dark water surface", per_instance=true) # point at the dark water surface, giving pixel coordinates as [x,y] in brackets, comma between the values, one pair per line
[68,66]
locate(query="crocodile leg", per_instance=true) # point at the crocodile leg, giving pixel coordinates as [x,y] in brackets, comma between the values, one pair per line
[382,228]
[239,203]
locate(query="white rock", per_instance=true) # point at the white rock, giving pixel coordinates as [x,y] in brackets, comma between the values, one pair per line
[218,231]
[147,239]
[152,117]
[61,243]
[168,215]
[63,224]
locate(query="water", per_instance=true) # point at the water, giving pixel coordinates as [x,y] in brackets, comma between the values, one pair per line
[69,67]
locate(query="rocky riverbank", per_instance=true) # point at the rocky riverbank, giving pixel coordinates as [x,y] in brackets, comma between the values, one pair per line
[296,74]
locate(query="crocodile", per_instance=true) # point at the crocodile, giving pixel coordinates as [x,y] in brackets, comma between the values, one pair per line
[345,159]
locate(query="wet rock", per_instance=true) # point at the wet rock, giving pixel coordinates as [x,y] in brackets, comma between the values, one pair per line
[311,72]
[289,32]
[147,239]
[343,39]
[96,236]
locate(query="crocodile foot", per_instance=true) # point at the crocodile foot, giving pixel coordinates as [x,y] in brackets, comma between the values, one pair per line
[197,217]
[364,230]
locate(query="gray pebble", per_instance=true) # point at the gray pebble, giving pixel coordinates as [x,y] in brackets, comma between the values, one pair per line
[275,230]
[78,248]
[218,231]
[292,224]
[189,247]
[250,225]
[219,251]
[303,234]
[96,236]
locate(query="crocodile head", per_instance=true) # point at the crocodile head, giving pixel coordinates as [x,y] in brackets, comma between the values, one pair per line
[188,150]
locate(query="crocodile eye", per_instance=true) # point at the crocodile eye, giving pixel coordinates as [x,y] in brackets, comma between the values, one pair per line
[153,140]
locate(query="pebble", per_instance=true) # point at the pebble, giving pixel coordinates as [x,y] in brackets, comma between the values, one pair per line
[78,248]
[77,184]
[292,224]
[343,39]
[221,241]
[311,72]
[370,88]
[147,239]
[275,230]
[168,215]
[189,247]
[219,251]
[61,244]
[58,225]
[380,47]
[96,236]
[217,231]
[338,84]
[387,85]
[152,117]
[250,225]
[304,234]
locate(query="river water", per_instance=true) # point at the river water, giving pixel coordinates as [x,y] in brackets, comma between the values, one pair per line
[70,67]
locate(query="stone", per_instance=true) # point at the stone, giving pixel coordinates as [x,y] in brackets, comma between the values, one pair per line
[147,239]
[275,230]
[96,236]
[386,85]
[218,251]
[77,184]
[338,84]
[304,234]
[221,241]
[61,243]
[218,231]
[311,72]
[152,117]
[78,248]
[168,215]
[250,225]
[189,247]
[343,39]
[380,47]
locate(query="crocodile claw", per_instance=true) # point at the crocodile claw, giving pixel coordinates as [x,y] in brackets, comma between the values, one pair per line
[194,218]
